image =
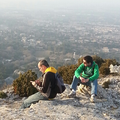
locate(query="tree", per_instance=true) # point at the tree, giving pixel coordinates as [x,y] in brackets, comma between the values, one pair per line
[22,85]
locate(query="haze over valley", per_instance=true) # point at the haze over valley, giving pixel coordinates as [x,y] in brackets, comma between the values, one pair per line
[59,31]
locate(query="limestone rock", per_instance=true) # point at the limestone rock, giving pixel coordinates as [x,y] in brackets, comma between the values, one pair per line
[64,108]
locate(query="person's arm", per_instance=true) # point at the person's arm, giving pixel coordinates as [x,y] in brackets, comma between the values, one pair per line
[39,83]
[46,82]
[96,73]
[44,85]
[79,70]
[36,86]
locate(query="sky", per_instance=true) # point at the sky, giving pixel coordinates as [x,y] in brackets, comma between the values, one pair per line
[60,4]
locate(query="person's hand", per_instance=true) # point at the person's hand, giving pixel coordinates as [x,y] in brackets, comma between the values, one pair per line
[33,82]
[86,80]
[82,79]
[38,82]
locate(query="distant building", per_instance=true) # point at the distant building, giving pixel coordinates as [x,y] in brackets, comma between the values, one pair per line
[17,71]
[74,55]
[105,49]
[67,59]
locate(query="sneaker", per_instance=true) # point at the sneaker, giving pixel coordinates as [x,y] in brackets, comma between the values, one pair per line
[93,98]
[72,94]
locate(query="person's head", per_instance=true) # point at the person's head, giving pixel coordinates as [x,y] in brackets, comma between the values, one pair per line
[87,60]
[43,65]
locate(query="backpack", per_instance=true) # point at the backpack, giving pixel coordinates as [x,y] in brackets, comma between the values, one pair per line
[60,87]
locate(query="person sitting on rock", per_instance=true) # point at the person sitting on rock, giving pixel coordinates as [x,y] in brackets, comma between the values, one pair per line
[87,74]
[46,88]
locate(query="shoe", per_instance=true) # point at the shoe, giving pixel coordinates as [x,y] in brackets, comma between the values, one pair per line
[93,98]
[71,89]
[72,94]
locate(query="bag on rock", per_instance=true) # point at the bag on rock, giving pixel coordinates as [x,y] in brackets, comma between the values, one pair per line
[60,87]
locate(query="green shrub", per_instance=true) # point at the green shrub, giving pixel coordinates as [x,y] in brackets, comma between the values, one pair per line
[111,61]
[80,61]
[98,60]
[3,95]
[67,73]
[22,85]
[104,70]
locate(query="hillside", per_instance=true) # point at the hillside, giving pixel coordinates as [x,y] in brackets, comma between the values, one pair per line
[107,106]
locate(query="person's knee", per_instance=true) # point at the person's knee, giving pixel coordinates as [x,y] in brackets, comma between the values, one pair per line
[74,77]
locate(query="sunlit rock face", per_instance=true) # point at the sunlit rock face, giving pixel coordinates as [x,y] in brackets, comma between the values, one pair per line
[106,107]
[114,69]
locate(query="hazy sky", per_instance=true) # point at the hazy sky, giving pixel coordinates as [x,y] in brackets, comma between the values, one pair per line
[59,4]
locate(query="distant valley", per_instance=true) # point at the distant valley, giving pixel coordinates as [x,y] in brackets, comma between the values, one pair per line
[59,37]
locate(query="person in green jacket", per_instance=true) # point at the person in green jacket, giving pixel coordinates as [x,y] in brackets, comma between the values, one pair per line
[87,74]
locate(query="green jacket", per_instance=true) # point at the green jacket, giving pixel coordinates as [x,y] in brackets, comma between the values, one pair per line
[87,72]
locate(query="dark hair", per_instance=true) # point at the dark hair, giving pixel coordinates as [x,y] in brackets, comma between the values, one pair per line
[88,59]
[44,62]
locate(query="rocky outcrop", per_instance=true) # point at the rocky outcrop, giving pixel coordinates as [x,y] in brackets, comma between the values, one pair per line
[63,108]
[114,69]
